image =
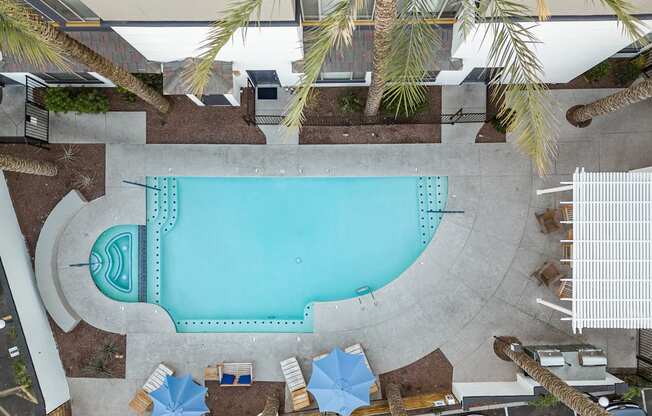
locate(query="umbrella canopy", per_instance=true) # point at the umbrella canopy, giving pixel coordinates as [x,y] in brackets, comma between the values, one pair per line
[179,396]
[340,382]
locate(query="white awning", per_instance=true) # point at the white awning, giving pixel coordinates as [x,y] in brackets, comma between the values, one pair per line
[612,250]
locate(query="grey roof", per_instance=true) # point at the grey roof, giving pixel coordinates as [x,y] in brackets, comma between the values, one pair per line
[221,81]
[106,42]
[358,57]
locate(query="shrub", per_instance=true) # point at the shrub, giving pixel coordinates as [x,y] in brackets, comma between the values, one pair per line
[21,376]
[79,100]
[502,122]
[598,72]
[349,102]
[391,108]
[631,393]
[630,70]
[544,401]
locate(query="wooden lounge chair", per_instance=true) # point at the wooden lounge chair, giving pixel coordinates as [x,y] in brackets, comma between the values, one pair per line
[548,221]
[566,212]
[548,274]
[211,374]
[296,383]
[357,349]
[236,374]
[567,248]
[565,290]
[141,401]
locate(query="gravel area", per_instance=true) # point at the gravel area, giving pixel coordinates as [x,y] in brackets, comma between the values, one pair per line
[325,104]
[242,401]
[33,198]
[432,373]
[188,123]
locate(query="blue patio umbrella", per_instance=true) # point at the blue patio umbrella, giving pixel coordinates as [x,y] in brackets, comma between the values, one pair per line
[179,396]
[340,382]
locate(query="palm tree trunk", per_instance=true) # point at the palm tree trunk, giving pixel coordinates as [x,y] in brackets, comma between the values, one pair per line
[571,397]
[395,401]
[96,62]
[583,114]
[384,16]
[22,165]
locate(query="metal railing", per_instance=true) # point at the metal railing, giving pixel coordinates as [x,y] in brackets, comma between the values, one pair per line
[37,117]
[644,354]
[361,120]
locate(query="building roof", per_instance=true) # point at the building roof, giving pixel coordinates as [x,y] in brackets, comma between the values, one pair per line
[358,57]
[106,42]
[221,81]
[612,250]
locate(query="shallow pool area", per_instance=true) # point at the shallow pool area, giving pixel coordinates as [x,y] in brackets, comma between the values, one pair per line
[253,254]
[113,262]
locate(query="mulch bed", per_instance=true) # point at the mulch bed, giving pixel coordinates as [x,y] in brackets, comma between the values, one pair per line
[325,104]
[189,123]
[33,198]
[432,373]
[489,134]
[243,401]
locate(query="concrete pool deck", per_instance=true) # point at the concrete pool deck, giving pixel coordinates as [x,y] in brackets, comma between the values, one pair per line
[471,283]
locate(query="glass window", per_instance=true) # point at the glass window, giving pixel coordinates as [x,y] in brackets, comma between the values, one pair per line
[636,47]
[341,77]
[71,10]
[67,78]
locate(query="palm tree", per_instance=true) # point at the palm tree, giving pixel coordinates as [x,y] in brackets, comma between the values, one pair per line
[25,34]
[22,165]
[384,16]
[509,349]
[582,115]
[395,401]
[401,58]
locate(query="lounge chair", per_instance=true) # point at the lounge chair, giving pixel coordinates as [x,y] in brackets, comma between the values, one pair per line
[548,221]
[236,374]
[141,401]
[566,212]
[296,383]
[14,352]
[548,273]
[357,349]
[567,248]
[565,289]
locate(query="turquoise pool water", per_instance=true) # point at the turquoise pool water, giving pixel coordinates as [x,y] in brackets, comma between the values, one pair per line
[114,262]
[254,254]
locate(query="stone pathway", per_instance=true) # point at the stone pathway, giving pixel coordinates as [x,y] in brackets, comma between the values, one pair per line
[471,283]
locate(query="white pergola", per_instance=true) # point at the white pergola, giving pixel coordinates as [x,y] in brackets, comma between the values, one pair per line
[611,250]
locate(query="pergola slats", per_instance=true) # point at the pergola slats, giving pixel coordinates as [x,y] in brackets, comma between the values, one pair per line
[612,250]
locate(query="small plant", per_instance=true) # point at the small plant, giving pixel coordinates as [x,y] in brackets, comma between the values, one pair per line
[68,153]
[631,70]
[349,102]
[126,95]
[79,100]
[109,350]
[501,122]
[632,393]
[21,376]
[12,334]
[391,108]
[97,366]
[83,181]
[544,401]
[598,72]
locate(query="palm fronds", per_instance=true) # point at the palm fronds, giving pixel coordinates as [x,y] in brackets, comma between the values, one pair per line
[467,16]
[525,98]
[198,73]
[542,10]
[632,26]
[334,32]
[19,39]
[413,45]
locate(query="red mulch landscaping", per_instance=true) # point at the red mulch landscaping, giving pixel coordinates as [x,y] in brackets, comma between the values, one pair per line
[325,104]
[33,198]
[189,123]
[432,373]
[243,401]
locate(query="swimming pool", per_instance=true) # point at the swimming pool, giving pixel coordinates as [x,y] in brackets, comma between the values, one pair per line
[254,254]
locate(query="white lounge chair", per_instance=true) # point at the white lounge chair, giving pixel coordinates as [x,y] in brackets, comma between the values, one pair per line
[296,383]
[357,349]
[141,401]
[13,352]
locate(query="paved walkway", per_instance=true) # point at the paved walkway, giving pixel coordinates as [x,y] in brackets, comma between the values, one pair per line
[470,283]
